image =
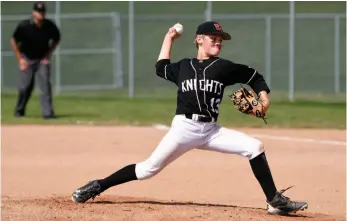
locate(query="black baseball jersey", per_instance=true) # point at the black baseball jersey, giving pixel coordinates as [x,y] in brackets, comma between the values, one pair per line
[34,41]
[201,83]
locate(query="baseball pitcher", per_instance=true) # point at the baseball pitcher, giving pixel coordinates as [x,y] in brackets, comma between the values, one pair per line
[201,82]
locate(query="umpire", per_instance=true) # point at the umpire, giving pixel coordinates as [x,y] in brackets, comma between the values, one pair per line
[33,43]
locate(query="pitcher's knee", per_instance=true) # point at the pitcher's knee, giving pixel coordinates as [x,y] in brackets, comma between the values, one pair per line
[256,147]
[146,170]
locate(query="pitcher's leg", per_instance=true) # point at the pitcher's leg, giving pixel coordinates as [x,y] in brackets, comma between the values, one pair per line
[231,141]
[167,151]
[234,142]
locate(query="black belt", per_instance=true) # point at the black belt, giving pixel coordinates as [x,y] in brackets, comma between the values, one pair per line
[200,118]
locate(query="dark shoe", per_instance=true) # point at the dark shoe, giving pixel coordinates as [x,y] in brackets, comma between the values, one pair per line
[48,117]
[17,114]
[91,190]
[282,205]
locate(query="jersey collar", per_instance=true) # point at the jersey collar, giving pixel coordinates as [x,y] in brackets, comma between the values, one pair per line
[206,60]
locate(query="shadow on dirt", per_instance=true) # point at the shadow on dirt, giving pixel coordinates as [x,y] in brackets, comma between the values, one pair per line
[151,202]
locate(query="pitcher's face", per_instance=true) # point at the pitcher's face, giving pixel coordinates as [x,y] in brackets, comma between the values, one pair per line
[211,44]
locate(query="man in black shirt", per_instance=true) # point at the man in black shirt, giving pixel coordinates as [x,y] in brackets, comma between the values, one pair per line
[201,82]
[33,43]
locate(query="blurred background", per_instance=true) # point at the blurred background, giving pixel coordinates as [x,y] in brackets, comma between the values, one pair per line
[112,47]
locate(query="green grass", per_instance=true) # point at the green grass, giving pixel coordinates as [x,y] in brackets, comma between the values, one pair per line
[144,111]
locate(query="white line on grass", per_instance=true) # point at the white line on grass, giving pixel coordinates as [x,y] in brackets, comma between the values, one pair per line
[299,139]
[272,137]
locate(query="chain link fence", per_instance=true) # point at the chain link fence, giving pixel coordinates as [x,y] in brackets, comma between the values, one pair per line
[94,52]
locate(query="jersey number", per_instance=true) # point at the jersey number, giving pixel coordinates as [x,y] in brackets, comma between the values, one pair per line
[215,105]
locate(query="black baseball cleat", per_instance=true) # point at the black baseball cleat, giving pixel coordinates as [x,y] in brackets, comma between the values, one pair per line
[281,205]
[91,190]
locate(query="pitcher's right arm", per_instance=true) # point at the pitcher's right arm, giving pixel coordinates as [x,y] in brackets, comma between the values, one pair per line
[164,67]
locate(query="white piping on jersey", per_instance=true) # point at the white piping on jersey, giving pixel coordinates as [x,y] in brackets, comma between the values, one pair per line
[165,72]
[205,86]
[251,77]
[196,91]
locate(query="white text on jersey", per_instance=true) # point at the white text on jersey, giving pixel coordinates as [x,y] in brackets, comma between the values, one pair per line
[210,85]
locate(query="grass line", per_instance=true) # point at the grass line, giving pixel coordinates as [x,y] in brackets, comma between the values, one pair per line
[146,111]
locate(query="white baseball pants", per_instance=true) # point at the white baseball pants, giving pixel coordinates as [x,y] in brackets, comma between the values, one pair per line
[186,134]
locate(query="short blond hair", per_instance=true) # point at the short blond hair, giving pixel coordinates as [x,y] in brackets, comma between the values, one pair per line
[195,42]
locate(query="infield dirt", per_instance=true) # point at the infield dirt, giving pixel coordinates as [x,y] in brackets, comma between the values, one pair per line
[43,165]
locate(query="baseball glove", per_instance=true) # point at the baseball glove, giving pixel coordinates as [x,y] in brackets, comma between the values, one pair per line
[246,102]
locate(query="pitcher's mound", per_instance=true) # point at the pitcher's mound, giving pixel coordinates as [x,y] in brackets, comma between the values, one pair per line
[125,208]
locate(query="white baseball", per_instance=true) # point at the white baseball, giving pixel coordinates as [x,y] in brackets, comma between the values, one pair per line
[179,28]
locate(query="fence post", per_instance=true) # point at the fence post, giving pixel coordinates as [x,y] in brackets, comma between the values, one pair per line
[337,54]
[131,49]
[208,11]
[117,51]
[57,51]
[291,49]
[268,49]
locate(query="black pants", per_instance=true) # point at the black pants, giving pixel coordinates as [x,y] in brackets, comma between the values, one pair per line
[26,85]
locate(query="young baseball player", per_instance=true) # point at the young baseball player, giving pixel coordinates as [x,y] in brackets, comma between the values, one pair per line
[201,82]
